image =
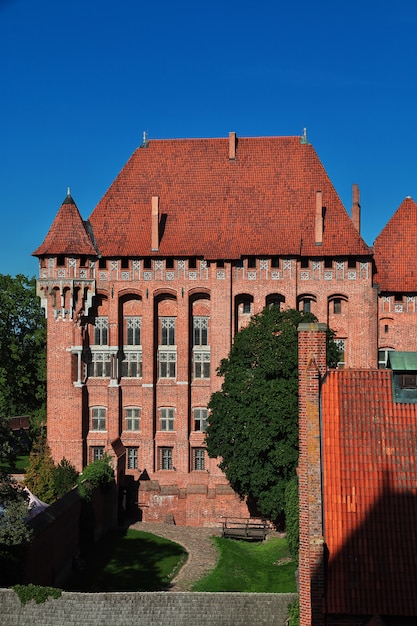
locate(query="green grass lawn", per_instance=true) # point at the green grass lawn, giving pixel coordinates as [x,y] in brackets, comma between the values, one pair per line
[129,561]
[19,466]
[251,567]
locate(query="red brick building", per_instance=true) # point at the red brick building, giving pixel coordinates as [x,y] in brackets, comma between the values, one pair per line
[143,300]
[358,489]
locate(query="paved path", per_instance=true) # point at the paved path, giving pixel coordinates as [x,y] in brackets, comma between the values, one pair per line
[202,554]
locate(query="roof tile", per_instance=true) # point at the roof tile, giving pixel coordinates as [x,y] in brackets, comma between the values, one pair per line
[262,202]
[395,250]
[370,495]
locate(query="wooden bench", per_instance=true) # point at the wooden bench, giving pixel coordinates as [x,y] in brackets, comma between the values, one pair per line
[244,528]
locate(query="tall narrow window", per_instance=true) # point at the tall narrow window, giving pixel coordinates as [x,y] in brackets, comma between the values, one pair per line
[165,459]
[341,344]
[199,455]
[100,361]
[98,418]
[133,331]
[168,331]
[337,306]
[200,419]
[201,349]
[132,418]
[200,331]
[132,349]
[167,349]
[132,457]
[167,418]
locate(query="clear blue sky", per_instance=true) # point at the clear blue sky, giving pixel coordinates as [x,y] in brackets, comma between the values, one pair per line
[80,81]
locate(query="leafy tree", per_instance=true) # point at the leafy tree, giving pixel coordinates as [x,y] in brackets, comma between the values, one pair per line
[14,532]
[254,418]
[65,477]
[22,348]
[292,516]
[40,474]
[97,474]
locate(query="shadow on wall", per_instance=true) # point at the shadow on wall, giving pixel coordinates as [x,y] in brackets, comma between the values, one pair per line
[375,571]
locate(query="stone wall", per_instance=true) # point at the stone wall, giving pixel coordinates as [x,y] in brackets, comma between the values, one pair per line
[147,609]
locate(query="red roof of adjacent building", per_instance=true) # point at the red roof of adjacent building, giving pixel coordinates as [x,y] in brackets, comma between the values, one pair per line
[395,251]
[369,495]
[68,234]
[263,201]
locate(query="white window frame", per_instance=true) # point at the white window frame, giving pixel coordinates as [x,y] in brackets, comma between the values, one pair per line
[201,364]
[167,362]
[199,459]
[167,419]
[101,331]
[200,419]
[165,458]
[133,330]
[200,330]
[131,366]
[100,364]
[98,418]
[132,418]
[168,331]
[132,457]
[96,453]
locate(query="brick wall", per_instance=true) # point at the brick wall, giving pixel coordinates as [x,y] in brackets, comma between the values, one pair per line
[220,292]
[312,366]
[148,609]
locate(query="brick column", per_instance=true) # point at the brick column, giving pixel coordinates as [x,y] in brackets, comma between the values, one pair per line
[311,368]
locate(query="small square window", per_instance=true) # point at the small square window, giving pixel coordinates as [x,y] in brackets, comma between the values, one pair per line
[125,263]
[251,262]
[147,263]
[275,262]
[192,263]
[169,264]
[305,263]
[102,263]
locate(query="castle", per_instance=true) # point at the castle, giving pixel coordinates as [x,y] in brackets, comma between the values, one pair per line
[143,300]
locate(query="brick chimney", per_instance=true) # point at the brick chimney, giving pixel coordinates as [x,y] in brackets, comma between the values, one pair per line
[155,224]
[319,219]
[232,146]
[356,207]
[311,369]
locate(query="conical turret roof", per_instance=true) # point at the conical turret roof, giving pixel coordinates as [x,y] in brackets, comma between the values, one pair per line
[68,234]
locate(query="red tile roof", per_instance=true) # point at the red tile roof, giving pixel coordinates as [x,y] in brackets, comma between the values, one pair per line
[68,234]
[395,251]
[261,202]
[369,495]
